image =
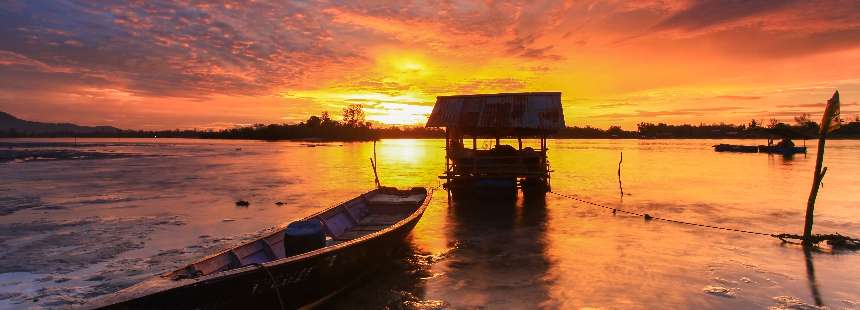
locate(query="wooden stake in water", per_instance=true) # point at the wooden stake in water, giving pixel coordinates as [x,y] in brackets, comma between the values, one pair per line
[373,163]
[621,189]
[829,122]
[375,176]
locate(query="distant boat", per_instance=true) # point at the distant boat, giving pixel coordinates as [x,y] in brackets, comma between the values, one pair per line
[299,265]
[779,149]
[770,149]
[735,148]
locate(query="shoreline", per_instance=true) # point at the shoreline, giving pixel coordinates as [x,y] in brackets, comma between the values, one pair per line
[412,138]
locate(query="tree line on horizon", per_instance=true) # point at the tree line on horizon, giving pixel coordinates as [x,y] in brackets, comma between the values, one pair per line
[353,126]
[802,128]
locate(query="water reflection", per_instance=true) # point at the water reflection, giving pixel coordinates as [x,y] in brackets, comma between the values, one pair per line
[501,258]
[498,260]
[395,284]
[810,276]
[552,252]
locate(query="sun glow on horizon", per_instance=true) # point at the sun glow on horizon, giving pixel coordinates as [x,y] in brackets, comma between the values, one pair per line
[401,109]
[653,61]
[391,92]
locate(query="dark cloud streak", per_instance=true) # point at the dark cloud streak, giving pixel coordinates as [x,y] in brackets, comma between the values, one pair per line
[708,13]
[162,48]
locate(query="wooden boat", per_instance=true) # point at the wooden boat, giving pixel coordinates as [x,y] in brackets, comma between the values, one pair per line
[779,149]
[771,149]
[735,148]
[262,274]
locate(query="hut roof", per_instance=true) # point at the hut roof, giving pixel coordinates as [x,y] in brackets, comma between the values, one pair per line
[534,113]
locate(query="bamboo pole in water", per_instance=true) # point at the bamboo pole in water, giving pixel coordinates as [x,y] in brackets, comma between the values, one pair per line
[373,162]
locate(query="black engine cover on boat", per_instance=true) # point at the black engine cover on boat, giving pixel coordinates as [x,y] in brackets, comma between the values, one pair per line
[303,236]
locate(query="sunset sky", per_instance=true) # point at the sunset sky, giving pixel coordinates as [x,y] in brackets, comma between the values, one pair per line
[160,65]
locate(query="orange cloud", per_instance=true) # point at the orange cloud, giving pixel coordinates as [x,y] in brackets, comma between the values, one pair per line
[163,64]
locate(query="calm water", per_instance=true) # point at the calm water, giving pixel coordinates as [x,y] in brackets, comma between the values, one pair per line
[74,229]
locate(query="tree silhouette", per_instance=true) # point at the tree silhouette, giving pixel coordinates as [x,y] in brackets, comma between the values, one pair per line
[314,121]
[753,124]
[353,115]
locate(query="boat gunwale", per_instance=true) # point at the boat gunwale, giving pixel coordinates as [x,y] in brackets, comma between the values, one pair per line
[166,284]
[415,213]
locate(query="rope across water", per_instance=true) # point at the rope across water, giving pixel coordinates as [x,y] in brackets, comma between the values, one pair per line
[651,217]
[835,240]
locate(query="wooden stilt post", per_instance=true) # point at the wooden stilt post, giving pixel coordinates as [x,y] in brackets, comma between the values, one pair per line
[447,154]
[543,152]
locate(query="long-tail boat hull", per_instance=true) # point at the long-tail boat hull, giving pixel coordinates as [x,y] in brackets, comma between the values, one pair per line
[360,234]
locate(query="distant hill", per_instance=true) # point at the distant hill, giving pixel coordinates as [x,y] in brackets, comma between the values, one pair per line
[11,126]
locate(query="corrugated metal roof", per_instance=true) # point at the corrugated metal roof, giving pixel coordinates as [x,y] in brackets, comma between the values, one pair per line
[530,111]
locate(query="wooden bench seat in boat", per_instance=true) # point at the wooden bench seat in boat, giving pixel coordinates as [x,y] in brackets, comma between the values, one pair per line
[369,227]
[381,219]
[276,243]
[393,199]
[254,253]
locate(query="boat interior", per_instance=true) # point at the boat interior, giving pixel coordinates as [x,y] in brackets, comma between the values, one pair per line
[361,216]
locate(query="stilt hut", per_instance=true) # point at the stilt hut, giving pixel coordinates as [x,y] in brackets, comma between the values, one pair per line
[497,118]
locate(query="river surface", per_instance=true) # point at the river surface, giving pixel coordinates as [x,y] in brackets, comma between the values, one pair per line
[81,218]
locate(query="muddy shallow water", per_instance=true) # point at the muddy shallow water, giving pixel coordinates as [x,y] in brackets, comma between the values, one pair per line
[82,219]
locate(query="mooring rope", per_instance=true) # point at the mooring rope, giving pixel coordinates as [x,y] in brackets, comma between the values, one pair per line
[835,240]
[651,217]
[274,283]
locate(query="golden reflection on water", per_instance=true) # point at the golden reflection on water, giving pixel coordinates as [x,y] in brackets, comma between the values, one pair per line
[558,253]
[552,252]
[563,254]
[405,152]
